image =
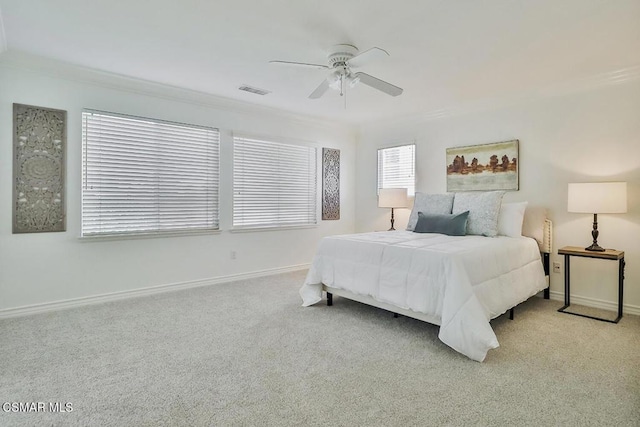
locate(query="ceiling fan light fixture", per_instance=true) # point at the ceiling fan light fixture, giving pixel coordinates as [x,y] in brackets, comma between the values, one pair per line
[353,81]
[335,75]
[335,80]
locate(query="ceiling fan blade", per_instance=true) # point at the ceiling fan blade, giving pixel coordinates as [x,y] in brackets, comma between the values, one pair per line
[299,64]
[367,56]
[381,85]
[320,90]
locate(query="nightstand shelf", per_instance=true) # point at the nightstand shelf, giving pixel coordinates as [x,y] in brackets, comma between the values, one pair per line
[609,254]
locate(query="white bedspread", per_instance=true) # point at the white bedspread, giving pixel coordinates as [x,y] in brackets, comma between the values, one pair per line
[463,281]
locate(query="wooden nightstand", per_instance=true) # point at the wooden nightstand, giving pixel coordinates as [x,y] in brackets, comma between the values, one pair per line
[610,254]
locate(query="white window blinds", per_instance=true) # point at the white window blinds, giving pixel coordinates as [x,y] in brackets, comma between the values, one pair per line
[274,184]
[145,176]
[397,168]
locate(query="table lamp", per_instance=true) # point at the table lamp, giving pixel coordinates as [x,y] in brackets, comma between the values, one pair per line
[392,198]
[597,198]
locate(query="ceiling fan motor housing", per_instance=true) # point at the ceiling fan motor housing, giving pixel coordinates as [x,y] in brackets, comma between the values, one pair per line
[341,54]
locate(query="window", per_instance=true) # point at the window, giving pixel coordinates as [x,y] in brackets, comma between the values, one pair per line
[274,184]
[145,176]
[397,168]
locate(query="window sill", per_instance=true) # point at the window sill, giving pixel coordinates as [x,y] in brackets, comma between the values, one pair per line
[275,228]
[108,237]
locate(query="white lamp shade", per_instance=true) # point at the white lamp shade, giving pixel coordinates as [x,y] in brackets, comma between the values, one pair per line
[392,198]
[597,197]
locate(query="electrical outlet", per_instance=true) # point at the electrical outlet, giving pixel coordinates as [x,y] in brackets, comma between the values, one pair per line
[556,267]
[233,254]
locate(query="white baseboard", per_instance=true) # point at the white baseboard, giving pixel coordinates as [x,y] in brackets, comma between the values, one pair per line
[596,303]
[171,287]
[97,299]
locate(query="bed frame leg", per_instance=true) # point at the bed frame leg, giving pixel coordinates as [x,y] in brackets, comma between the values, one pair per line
[329,299]
[511,314]
[546,264]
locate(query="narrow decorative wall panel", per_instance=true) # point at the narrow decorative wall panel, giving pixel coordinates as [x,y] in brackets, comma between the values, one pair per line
[39,144]
[330,183]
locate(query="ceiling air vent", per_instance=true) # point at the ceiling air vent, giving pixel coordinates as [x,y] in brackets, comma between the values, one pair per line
[255,90]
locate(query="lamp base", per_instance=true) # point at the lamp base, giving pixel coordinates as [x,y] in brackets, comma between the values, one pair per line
[595,248]
[392,221]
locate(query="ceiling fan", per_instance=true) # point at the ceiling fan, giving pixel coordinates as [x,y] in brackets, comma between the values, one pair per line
[342,59]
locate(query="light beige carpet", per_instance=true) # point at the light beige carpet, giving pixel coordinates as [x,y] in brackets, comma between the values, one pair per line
[247,353]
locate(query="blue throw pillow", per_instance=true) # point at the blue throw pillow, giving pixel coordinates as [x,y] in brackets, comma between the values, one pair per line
[449,224]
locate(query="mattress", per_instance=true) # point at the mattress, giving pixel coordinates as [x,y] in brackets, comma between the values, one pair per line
[462,281]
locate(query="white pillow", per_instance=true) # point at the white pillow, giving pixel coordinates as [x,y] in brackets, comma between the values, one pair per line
[510,219]
[429,204]
[483,208]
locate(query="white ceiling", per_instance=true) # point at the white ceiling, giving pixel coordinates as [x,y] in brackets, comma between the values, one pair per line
[443,53]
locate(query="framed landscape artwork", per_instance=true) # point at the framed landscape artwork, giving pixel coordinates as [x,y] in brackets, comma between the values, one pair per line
[483,167]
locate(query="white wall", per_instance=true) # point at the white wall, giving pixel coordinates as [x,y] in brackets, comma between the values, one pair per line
[46,267]
[579,137]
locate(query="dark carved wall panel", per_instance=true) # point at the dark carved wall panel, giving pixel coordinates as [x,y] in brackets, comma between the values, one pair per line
[330,183]
[39,144]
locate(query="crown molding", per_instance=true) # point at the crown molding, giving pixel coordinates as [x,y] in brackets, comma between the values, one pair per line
[584,84]
[592,82]
[3,36]
[32,63]
[76,73]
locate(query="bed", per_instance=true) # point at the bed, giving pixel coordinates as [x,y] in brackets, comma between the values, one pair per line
[457,282]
